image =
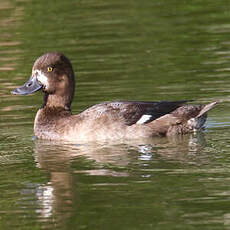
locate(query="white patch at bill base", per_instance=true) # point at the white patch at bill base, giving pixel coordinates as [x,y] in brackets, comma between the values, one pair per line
[41,77]
[143,119]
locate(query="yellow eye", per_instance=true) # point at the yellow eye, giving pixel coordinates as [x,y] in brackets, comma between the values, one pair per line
[49,69]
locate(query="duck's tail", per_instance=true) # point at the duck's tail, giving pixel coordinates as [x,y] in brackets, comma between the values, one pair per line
[197,122]
[206,109]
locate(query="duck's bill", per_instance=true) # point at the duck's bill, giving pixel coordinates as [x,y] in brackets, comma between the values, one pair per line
[29,87]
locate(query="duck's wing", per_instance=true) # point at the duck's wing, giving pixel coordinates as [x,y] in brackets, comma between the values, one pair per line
[135,112]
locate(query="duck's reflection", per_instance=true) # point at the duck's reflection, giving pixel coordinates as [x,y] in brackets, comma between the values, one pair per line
[56,197]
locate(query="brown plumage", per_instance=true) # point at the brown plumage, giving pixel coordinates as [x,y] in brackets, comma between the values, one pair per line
[53,73]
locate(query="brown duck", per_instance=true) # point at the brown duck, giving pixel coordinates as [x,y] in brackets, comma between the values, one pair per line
[53,73]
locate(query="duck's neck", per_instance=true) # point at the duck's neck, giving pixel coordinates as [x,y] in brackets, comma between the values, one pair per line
[53,109]
[57,101]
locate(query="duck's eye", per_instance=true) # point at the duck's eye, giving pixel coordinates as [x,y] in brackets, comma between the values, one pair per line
[49,69]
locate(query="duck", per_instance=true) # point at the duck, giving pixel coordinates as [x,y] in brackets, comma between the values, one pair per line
[116,120]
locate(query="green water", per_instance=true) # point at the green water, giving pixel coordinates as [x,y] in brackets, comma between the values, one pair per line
[133,50]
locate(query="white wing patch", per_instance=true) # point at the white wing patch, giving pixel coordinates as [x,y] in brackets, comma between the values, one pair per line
[143,119]
[41,77]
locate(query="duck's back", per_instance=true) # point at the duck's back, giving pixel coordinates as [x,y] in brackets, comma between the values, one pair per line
[132,112]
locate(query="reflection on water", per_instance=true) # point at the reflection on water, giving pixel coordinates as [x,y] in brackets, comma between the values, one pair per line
[56,197]
[118,153]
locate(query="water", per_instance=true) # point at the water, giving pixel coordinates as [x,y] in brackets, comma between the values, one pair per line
[148,50]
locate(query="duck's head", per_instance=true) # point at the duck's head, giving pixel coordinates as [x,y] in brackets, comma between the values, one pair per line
[53,73]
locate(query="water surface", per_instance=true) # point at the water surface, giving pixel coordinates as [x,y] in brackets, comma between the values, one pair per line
[130,50]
